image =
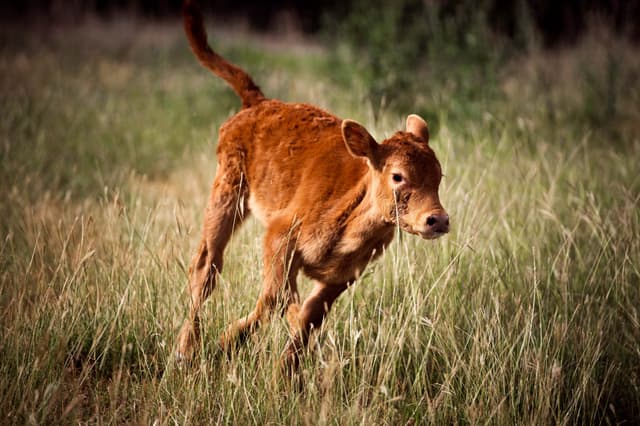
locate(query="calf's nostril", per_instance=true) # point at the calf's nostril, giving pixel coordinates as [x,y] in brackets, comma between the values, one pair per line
[431,220]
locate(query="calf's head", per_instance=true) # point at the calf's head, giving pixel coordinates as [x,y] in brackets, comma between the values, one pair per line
[404,176]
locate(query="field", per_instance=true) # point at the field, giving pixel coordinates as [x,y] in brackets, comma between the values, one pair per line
[528,312]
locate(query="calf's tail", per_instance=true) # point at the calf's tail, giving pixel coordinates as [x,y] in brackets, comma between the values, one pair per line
[249,93]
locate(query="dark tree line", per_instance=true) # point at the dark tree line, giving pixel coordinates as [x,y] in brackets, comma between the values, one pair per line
[556,20]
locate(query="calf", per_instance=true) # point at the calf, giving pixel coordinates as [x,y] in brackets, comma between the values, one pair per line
[327,193]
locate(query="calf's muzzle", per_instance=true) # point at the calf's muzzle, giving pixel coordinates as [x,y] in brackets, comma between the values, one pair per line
[438,223]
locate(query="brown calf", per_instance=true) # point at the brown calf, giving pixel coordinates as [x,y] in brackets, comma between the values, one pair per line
[327,193]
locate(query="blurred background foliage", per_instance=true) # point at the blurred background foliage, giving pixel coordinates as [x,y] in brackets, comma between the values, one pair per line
[489,62]
[452,60]
[395,47]
[456,62]
[557,21]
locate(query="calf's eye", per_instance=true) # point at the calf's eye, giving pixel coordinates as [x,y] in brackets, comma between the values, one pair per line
[397,177]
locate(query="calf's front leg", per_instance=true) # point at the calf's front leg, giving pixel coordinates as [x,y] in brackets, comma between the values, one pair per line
[308,317]
[281,265]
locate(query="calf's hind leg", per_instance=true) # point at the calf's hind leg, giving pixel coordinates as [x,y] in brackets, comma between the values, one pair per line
[224,213]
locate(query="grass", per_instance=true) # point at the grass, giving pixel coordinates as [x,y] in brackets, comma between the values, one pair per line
[526,313]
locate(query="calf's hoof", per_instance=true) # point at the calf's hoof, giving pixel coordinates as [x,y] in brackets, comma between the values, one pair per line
[188,341]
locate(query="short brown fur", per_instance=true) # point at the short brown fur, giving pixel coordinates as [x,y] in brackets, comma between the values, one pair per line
[327,193]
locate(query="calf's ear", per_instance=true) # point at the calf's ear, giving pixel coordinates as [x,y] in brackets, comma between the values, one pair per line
[358,141]
[418,127]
